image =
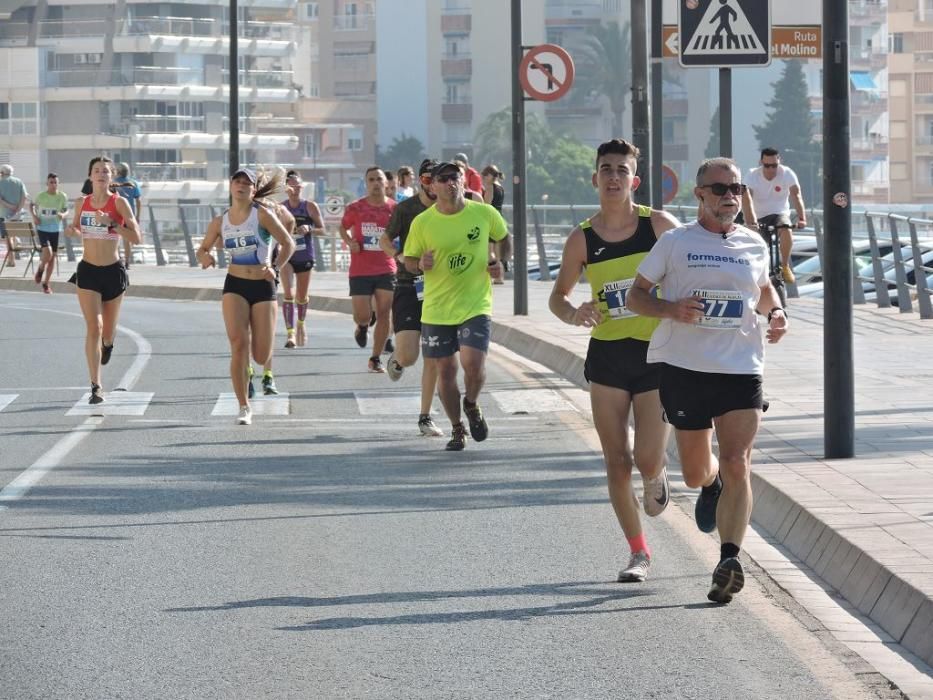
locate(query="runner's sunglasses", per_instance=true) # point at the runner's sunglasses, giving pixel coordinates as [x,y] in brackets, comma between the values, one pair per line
[719,189]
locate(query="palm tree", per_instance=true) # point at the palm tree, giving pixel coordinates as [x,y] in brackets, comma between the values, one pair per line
[604,67]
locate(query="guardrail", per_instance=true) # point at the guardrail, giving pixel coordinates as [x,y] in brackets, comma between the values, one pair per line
[892,253]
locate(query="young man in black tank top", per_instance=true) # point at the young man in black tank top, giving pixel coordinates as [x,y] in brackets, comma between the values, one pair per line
[609,246]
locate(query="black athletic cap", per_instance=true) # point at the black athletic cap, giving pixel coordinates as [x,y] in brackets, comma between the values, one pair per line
[427,166]
[444,166]
[250,175]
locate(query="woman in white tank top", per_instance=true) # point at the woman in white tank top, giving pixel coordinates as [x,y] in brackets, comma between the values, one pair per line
[246,232]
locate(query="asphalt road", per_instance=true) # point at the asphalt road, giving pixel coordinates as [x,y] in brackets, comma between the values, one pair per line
[330,551]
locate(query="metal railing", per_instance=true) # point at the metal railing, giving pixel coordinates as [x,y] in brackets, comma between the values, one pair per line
[892,253]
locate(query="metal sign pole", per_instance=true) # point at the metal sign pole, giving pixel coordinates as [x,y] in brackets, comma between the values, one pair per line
[641,117]
[234,80]
[657,99]
[725,112]
[520,247]
[838,361]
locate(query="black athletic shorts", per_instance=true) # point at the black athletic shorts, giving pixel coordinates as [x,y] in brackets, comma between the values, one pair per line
[776,220]
[110,281]
[620,364]
[48,238]
[301,265]
[692,399]
[406,309]
[254,291]
[366,285]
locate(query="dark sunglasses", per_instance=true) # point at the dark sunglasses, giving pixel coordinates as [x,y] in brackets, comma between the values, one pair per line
[769,165]
[719,189]
[447,177]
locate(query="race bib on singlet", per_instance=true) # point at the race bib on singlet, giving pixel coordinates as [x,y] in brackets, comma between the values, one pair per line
[615,293]
[419,287]
[371,235]
[300,244]
[90,228]
[243,250]
[722,309]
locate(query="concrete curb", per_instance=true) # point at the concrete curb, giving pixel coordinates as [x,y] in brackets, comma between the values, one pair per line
[898,603]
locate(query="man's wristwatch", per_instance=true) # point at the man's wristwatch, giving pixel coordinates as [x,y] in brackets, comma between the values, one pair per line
[777,308]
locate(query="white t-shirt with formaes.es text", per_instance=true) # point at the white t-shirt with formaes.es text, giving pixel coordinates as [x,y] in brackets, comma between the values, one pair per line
[771,196]
[727,274]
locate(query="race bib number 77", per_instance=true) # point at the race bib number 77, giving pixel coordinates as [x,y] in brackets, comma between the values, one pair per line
[722,309]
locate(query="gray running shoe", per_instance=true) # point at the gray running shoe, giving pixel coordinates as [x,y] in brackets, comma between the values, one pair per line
[728,579]
[393,368]
[427,426]
[97,394]
[637,569]
[657,494]
[268,386]
[705,510]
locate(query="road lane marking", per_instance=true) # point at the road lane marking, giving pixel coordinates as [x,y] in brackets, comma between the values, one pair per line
[532,401]
[387,403]
[6,400]
[57,454]
[276,405]
[117,403]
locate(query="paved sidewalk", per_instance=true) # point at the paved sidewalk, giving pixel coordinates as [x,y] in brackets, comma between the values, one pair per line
[865,525]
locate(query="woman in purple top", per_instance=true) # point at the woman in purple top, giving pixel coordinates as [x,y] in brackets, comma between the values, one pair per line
[296,274]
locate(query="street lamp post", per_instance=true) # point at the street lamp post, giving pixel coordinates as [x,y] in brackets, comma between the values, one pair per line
[234,79]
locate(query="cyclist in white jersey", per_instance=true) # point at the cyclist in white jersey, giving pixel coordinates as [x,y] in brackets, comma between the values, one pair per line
[246,231]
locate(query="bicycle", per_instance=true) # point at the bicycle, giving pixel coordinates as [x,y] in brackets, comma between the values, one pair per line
[770,233]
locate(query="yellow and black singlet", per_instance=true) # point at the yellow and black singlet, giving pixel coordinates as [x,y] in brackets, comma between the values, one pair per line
[611,268]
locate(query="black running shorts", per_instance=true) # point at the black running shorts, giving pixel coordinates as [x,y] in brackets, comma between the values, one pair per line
[406,309]
[48,238]
[110,281]
[620,364]
[254,291]
[366,285]
[692,399]
[301,265]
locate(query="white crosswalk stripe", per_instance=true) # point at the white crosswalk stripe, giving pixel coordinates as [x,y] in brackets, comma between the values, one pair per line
[116,403]
[6,400]
[387,403]
[278,405]
[532,401]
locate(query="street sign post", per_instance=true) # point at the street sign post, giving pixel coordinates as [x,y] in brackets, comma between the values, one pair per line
[669,184]
[546,72]
[333,206]
[724,33]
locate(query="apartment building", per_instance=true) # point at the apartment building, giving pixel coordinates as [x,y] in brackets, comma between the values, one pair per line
[147,83]
[910,84]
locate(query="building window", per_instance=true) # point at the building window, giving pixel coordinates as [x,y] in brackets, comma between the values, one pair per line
[896,43]
[4,118]
[311,11]
[458,93]
[23,118]
[354,139]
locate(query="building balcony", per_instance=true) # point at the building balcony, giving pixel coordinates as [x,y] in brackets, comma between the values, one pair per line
[456,68]
[457,112]
[456,22]
[870,147]
[354,23]
[867,12]
[93,76]
[166,172]
[867,59]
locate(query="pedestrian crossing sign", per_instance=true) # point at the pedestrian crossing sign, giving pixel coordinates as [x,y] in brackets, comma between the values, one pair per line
[724,33]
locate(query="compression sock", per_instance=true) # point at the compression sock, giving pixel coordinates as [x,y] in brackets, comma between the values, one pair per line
[639,544]
[288,311]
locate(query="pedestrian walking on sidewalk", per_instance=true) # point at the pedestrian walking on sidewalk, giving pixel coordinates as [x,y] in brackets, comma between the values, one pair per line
[609,246]
[713,280]
[246,231]
[102,219]
[452,244]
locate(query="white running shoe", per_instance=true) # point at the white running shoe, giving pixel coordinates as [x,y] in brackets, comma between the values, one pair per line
[393,368]
[245,417]
[637,569]
[428,427]
[657,494]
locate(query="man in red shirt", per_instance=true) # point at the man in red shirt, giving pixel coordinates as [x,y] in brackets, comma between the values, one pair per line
[372,272]
[472,179]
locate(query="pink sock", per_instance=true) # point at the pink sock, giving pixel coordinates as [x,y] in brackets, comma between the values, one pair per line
[639,544]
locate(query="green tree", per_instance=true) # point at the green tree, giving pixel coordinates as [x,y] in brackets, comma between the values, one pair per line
[493,140]
[603,68]
[404,150]
[712,146]
[789,128]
